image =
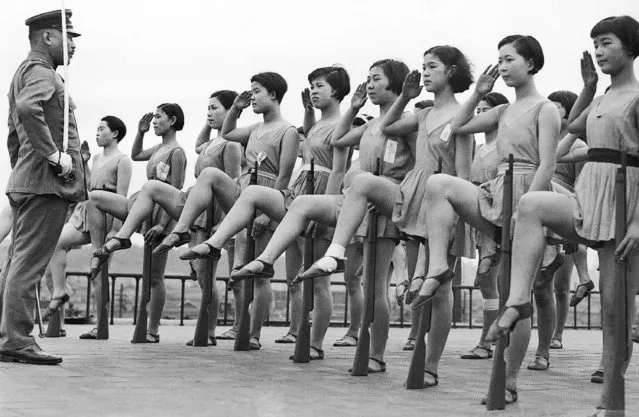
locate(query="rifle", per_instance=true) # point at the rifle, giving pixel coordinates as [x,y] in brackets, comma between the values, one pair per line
[302,353]
[496,399]
[415,378]
[201,336]
[616,388]
[243,339]
[103,301]
[360,361]
[139,334]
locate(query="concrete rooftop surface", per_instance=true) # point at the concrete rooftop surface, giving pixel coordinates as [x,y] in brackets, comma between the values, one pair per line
[117,378]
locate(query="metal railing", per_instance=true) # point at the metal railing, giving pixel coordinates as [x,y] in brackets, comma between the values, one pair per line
[463,318]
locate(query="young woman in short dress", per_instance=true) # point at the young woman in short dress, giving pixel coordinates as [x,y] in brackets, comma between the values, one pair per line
[383,87]
[166,163]
[111,171]
[484,169]
[611,125]
[528,128]
[445,72]
[328,87]
[273,143]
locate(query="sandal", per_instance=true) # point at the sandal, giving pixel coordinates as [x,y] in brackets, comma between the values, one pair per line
[411,293]
[547,273]
[317,271]
[90,335]
[152,338]
[556,344]
[372,370]
[442,278]
[496,331]
[410,344]
[578,296]
[102,254]
[346,341]
[400,290]
[634,335]
[510,397]
[230,334]
[213,253]
[170,242]
[597,377]
[287,338]
[480,277]
[246,272]
[254,343]
[55,304]
[540,363]
[435,379]
[317,357]
[211,342]
[478,352]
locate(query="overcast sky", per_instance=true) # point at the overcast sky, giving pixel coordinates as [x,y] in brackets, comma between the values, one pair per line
[134,55]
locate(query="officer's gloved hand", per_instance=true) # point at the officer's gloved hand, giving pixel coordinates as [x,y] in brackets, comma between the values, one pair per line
[62,160]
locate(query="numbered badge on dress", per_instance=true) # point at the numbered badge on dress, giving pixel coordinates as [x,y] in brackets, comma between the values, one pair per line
[446,133]
[390,151]
[162,171]
[260,157]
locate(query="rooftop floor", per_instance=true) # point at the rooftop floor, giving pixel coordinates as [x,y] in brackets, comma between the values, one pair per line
[116,378]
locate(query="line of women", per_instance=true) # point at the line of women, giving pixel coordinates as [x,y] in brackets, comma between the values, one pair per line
[426,189]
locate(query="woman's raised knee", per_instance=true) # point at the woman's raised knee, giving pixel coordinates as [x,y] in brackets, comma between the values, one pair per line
[527,206]
[210,175]
[436,186]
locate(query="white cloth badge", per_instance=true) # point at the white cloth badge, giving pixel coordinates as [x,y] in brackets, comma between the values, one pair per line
[446,133]
[390,151]
[260,157]
[162,171]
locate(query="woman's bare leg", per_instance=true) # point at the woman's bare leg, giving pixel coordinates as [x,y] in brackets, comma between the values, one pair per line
[447,198]
[254,197]
[69,239]
[293,264]
[158,290]
[263,293]
[323,301]
[365,188]
[354,289]
[417,256]
[535,211]
[6,221]
[152,192]
[488,288]
[380,326]
[562,295]
[99,203]
[200,269]
[211,182]
[441,319]
[304,208]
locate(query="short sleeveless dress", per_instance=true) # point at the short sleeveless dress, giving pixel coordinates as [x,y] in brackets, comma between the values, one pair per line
[440,144]
[317,147]
[485,163]
[521,139]
[158,168]
[211,156]
[483,169]
[616,128]
[396,159]
[103,177]
[264,148]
